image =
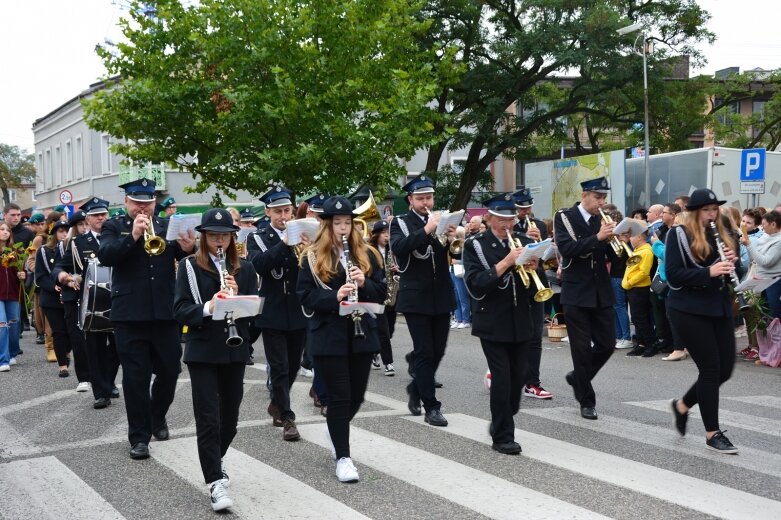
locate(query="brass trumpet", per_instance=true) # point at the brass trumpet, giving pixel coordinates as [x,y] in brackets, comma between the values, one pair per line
[619,246]
[543,293]
[153,244]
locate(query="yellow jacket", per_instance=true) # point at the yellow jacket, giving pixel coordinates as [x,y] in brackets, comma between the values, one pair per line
[639,275]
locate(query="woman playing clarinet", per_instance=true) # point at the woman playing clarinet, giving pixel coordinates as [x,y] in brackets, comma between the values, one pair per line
[699,263]
[340,267]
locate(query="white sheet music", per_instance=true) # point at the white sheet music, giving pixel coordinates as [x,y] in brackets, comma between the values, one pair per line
[449,219]
[244,233]
[295,228]
[370,308]
[630,225]
[756,284]
[240,306]
[549,253]
[532,251]
[178,225]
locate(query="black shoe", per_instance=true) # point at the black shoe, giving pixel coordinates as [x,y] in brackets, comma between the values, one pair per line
[570,378]
[101,402]
[250,361]
[507,448]
[435,418]
[437,384]
[720,443]
[588,412]
[636,351]
[140,450]
[115,393]
[162,433]
[413,404]
[40,340]
[650,351]
[410,358]
[680,418]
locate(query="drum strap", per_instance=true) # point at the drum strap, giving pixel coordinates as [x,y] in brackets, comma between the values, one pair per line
[192,281]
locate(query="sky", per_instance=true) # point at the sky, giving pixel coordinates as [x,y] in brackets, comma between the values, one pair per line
[47,51]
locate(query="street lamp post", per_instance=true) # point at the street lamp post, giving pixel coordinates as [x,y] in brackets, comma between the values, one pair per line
[646,139]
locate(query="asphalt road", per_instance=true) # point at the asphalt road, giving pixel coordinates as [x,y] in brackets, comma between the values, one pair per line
[59,458]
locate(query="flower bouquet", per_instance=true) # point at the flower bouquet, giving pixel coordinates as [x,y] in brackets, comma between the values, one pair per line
[16,256]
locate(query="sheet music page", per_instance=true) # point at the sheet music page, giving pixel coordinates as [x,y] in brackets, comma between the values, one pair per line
[240,306]
[371,308]
[449,219]
[180,224]
[549,253]
[756,284]
[244,233]
[532,251]
[630,225]
[295,228]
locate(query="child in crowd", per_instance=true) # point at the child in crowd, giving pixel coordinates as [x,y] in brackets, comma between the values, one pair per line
[637,282]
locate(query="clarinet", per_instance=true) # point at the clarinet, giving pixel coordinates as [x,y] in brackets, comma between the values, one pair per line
[732,280]
[353,296]
[234,340]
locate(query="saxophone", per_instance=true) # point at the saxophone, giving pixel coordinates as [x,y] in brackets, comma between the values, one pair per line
[391,277]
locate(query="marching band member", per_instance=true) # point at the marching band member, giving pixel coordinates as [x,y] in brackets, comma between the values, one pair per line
[586,290]
[142,298]
[502,315]
[247,218]
[282,322]
[216,369]
[700,309]
[385,321]
[538,231]
[426,295]
[100,347]
[328,276]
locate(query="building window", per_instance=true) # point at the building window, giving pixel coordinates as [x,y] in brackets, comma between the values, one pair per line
[68,162]
[39,180]
[48,182]
[12,195]
[79,158]
[105,154]
[57,165]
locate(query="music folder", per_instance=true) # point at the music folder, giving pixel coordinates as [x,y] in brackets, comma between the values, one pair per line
[237,306]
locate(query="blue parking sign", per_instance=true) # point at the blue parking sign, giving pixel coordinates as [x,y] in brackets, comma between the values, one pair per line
[752,165]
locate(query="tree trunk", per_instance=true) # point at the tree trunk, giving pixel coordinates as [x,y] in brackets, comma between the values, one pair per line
[6,195]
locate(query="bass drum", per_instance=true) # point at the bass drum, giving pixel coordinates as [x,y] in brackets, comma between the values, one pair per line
[95,310]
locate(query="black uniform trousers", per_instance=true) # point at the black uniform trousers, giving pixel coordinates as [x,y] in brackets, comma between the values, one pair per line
[584,325]
[146,347]
[346,378]
[283,353]
[429,340]
[218,390]
[77,341]
[390,313]
[62,344]
[383,331]
[103,362]
[534,351]
[507,363]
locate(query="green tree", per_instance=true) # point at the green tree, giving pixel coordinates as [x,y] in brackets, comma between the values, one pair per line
[17,167]
[514,56]
[318,94]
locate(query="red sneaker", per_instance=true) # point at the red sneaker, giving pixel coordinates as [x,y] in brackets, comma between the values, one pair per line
[746,351]
[537,392]
[751,356]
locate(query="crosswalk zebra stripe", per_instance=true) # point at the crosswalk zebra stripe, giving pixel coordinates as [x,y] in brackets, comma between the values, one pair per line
[726,417]
[12,443]
[258,490]
[685,491]
[691,445]
[30,403]
[769,401]
[45,488]
[487,494]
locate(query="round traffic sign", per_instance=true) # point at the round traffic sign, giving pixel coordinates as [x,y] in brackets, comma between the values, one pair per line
[66,197]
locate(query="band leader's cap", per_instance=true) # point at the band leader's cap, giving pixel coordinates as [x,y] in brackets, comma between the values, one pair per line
[246,215]
[95,206]
[501,205]
[523,198]
[140,190]
[420,184]
[277,196]
[334,206]
[316,202]
[702,197]
[598,185]
[216,220]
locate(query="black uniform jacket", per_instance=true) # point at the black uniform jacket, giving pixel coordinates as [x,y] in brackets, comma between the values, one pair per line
[277,265]
[142,285]
[333,335]
[585,280]
[85,247]
[693,289]
[521,227]
[425,286]
[205,339]
[45,261]
[500,304]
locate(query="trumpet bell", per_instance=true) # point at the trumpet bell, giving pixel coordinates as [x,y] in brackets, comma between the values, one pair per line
[543,294]
[154,245]
[633,260]
[457,246]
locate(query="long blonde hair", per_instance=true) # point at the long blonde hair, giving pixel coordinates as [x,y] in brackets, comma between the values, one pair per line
[326,263]
[700,247]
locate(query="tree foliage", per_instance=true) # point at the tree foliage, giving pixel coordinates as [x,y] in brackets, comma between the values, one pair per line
[16,168]
[319,94]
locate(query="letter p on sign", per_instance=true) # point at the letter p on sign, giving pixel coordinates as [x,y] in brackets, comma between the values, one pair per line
[752,165]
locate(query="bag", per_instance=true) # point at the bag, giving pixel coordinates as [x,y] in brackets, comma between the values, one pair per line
[769,343]
[458,270]
[658,286]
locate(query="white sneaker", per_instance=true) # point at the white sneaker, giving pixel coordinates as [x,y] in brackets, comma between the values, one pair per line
[461,325]
[12,361]
[389,370]
[306,372]
[4,368]
[226,480]
[345,470]
[565,339]
[453,324]
[220,498]
[82,387]
[624,343]
[331,445]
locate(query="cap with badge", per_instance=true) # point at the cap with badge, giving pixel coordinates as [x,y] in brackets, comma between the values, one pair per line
[77,216]
[60,224]
[216,220]
[59,209]
[598,185]
[95,206]
[316,202]
[277,196]
[501,205]
[140,190]
[37,218]
[119,212]
[379,227]
[335,206]
[169,201]
[703,197]
[420,184]
[246,215]
[523,198]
